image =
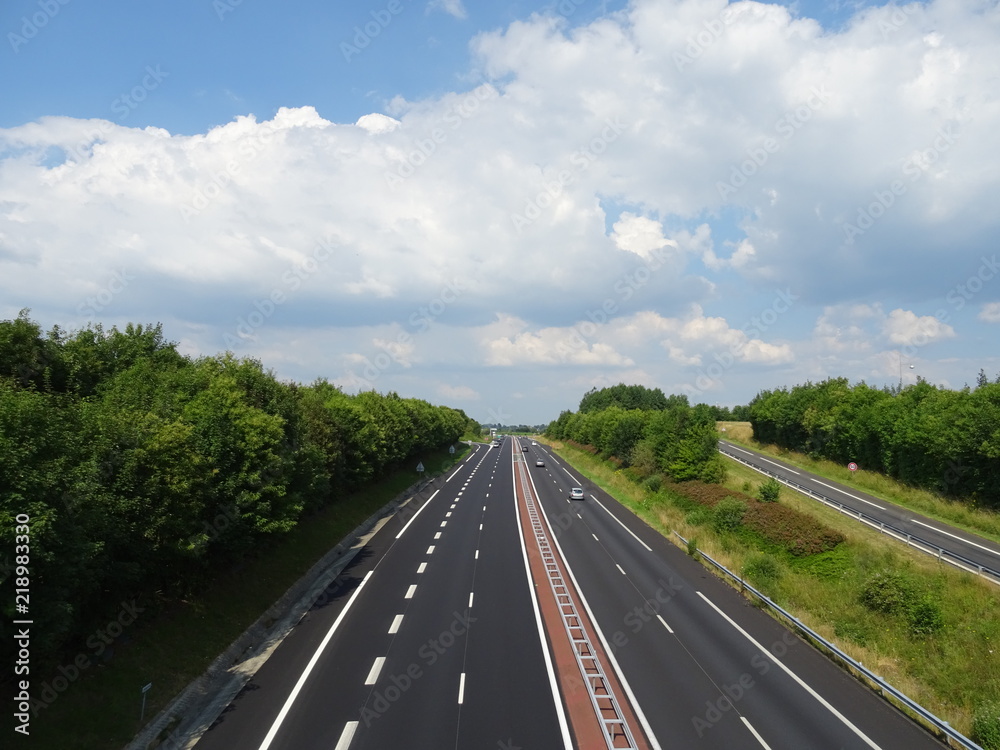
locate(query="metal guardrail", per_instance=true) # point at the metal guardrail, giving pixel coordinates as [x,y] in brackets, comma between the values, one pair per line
[887,691]
[912,540]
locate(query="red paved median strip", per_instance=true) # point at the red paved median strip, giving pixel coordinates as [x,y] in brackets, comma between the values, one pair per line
[582,667]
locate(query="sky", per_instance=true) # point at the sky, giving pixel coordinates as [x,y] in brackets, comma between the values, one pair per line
[498,206]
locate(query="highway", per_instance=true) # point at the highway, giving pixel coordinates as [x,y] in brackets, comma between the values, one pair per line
[968,550]
[434,638]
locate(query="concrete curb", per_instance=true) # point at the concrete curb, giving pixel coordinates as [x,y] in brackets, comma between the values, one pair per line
[190,714]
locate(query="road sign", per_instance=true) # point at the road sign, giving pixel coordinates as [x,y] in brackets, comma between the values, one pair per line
[852,466]
[451,449]
[420,467]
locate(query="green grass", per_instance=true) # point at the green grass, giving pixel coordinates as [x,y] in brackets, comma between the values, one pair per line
[952,672]
[958,513]
[100,709]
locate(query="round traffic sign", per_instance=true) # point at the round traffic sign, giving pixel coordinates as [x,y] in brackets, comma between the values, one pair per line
[852,466]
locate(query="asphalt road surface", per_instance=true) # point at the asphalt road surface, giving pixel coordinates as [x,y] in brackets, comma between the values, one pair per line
[431,638]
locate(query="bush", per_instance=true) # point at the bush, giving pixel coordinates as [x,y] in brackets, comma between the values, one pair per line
[692,547]
[763,570]
[925,617]
[769,491]
[888,593]
[729,514]
[986,726]
[653,483]
[699,516]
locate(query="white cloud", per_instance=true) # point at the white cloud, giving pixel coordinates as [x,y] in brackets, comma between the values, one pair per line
[457,393]
[359,225]
[990,312]
[451,7]
[906,327]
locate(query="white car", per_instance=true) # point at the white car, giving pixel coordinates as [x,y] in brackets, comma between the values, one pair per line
[540,463]
[576,493]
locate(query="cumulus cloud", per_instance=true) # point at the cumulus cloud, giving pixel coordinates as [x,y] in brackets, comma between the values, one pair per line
[990,312]
[724,139]
[906,327]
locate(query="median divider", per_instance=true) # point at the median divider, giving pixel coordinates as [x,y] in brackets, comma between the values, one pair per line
[940,727]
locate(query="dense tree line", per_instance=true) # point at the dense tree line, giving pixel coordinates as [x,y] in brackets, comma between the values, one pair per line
[669,436]
[939,439]
[143,470]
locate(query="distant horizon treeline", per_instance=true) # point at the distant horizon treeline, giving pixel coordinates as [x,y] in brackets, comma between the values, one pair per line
[645,429]
[925,436]
[143,470]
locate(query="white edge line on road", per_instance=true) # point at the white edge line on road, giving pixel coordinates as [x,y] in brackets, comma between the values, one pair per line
[955,536]
[571,476]
[542,637]
[837,489]
[754,733]
[757,455]
[648,548]
[790,673]
[636,708]
[347,735]
[273,732]
[396,622]
[373,673]
[414,518]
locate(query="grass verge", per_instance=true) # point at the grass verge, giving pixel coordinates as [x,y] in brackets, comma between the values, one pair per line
[928,629]
[99,708]
[958,513]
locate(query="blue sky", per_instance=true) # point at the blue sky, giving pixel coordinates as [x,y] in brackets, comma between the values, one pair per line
[500,205]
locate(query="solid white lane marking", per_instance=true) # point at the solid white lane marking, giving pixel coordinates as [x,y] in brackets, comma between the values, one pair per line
[955,536]
[571,476]
[273,731]
[767,652]
[430,550]
[416,514]
[396,622]
[422,567]
[411,591]
[461,689]
[373,672]
[347,735]
[648,548]
[664,623]
[754,733]
[837,489]
[758,456]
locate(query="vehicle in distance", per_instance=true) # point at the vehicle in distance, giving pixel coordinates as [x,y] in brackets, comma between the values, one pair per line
[533,442]
[539,462]
[576,494]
